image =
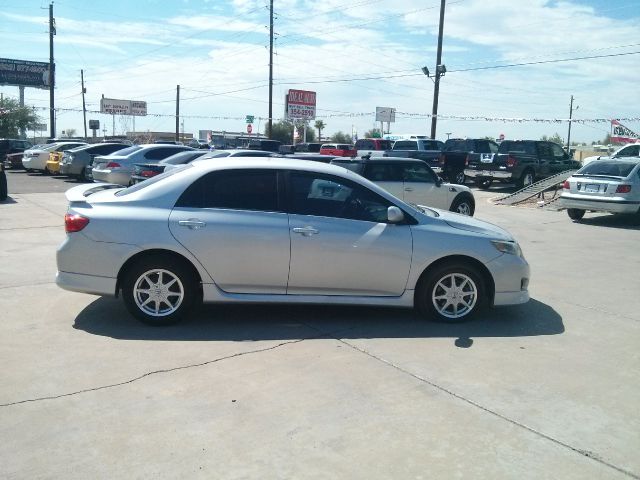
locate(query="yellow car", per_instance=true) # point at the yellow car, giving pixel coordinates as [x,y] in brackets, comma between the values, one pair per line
[53,164]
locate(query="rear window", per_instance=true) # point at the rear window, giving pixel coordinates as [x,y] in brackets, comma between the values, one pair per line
[385,144]
[405,145]
[458,146]
[344,147]
[150,181]
[517,147]
[129,150]
[613,168]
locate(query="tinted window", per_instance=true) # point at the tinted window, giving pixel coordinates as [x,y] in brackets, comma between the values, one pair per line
[416,172]
[457,146]
[557,151]
[405,145]
[234,189]
[344,147]
[327,196]
[508,146]
[544,150]
[383,172]
[630,151]
[160,153]
[129,150]
[611,168]
[365,145]
[106,149]
[181,158]
[350,165]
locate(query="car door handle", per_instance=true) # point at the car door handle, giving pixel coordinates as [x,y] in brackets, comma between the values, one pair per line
[192,223]
[306,231]
[408,189]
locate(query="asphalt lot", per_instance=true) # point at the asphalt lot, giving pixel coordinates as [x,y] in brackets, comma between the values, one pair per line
[549,389]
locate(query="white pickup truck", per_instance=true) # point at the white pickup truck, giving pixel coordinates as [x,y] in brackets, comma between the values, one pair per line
[372,147]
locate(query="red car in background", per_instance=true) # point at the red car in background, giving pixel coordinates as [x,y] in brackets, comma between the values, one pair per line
[338,150]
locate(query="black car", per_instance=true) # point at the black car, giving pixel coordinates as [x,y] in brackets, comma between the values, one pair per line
[13,145]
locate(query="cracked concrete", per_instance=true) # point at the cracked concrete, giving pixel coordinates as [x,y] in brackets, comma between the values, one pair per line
[545,390]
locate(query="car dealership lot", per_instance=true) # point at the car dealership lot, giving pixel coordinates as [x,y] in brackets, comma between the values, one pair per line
[546,389]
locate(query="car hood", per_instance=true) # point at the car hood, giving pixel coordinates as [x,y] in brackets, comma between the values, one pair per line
[471,224]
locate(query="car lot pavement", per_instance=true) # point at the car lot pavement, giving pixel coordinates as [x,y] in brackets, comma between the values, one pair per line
[543,390]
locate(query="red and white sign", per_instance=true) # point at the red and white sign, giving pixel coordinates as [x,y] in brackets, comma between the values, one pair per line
[249,128]
[300,104]
[622,134]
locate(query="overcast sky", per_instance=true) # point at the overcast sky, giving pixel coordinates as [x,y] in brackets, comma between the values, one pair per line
[356,55]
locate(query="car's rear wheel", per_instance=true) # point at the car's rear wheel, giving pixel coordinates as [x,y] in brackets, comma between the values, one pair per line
[451,293]
[575,213]
[159,291]
[527,178]
[458,177]
[484,183]
[463,205]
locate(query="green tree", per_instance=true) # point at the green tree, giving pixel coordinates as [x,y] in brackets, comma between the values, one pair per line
[555,138]
[373,133]
[282,131]
[341,137]
[311,134]
[319,126]
[14,118]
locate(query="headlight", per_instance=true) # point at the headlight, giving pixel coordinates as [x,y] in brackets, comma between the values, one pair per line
[511,248]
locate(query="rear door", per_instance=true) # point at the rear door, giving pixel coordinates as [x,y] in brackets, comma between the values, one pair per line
[233,223]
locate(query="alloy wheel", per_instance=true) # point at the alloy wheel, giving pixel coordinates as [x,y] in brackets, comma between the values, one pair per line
[158,292]
[454,295]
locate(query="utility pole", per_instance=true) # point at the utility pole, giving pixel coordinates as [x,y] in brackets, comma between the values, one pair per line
[84,106]
[52,76]
[177,113]
[570,117]
[270,124]
[439,72]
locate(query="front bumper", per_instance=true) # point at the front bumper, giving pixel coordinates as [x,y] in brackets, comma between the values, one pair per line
[488,174]
[511,275]
[34,163]
[600,204]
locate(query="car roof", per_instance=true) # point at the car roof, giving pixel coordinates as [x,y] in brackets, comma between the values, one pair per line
[225,163]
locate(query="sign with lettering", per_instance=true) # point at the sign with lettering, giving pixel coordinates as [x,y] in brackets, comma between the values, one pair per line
[113,106]
[23,73]
[300,104]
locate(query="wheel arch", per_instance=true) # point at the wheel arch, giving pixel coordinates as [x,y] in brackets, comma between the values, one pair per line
[489,283]
[156,252]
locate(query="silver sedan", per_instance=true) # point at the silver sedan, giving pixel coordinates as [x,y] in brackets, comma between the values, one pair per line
[279,230]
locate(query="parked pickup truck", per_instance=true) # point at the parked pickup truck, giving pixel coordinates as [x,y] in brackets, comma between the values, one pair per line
[519,161]
[425,150]
[453,158]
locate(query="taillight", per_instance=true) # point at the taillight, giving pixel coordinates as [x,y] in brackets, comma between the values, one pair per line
[511,161]
[148,173]
[623,189]
[441,159]
[74,223]
[565,185]
[112,165]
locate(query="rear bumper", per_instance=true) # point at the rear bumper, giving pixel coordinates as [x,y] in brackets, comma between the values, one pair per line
[487,174]
[70,169]
[600,205]
[78,282]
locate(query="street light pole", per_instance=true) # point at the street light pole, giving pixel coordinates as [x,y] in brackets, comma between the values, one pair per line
[439,72]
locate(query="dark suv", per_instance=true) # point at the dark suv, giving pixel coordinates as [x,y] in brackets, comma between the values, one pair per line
[519,161]
[13,145]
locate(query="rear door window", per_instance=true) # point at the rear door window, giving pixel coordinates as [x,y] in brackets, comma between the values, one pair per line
[383,172]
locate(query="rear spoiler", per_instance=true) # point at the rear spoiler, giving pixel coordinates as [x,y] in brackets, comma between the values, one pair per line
[81,192]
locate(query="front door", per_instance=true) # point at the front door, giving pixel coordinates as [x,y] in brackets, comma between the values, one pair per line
[341,243]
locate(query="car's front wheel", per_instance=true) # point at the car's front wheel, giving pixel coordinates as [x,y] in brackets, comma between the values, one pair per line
[575,213]
[159,291]
[463,205]
[451,293]
[458,177]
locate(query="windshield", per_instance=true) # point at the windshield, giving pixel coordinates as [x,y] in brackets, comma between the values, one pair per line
[608,168]
[405,144]
[457,146]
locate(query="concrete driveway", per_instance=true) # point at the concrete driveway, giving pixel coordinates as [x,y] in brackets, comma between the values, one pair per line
[549,389]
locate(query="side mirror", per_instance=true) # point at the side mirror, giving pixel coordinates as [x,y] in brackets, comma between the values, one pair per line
[394,215]
[439,181]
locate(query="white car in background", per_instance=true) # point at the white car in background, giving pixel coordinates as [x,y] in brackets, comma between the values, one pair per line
[629,150]
[35,159]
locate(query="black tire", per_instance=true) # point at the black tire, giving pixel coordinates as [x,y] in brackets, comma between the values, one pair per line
[435,284]
[575,213]
[3,185]
[483,183]
[83,175]
[464,205]
[527,178]
[458,176]
[173,295]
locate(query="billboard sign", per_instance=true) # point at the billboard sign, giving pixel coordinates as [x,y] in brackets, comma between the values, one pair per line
[113,106]
[300,104]
[385,114]
[23,73]
[94,124]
